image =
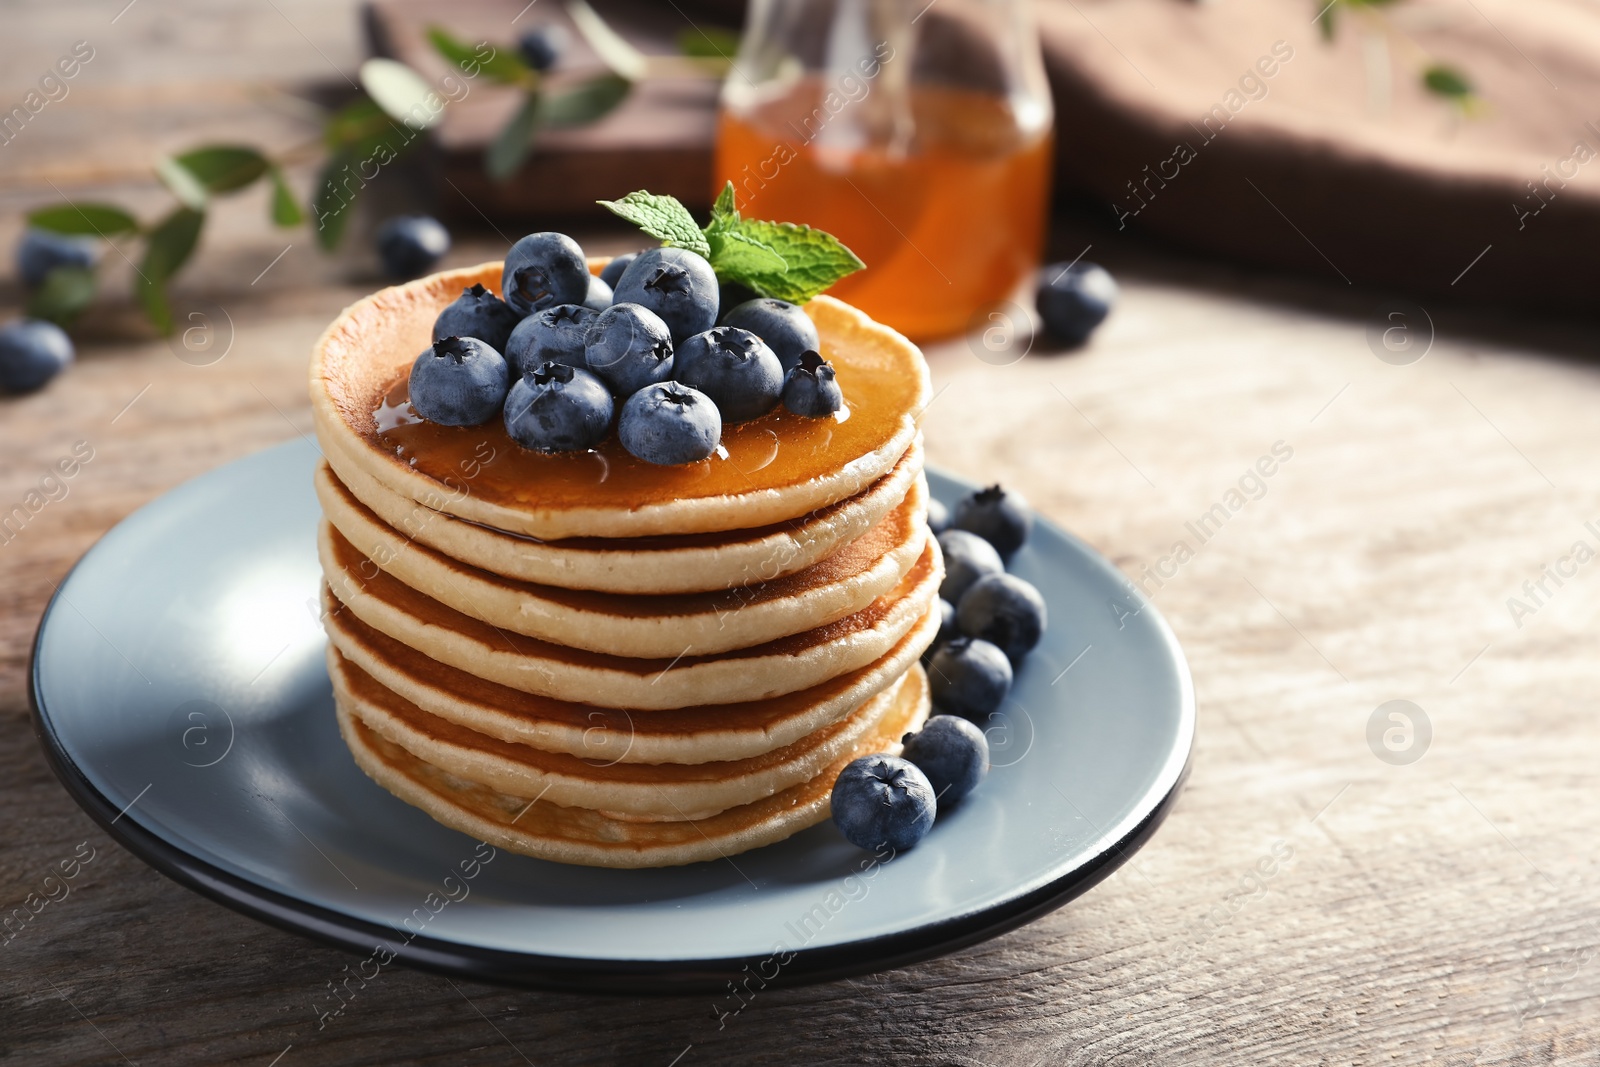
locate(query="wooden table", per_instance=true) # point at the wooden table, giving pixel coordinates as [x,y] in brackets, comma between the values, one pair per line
[1445,910]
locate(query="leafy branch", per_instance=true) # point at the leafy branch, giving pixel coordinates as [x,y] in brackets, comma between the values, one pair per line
[1440,79]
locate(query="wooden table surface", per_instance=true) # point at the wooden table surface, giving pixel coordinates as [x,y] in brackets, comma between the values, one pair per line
[1444,910]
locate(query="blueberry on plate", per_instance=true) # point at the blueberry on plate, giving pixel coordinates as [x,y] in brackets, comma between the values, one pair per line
[478,313]
[1074,299]
[542,46]
[952,752]
[735,368]
[883,802]
[810,389]
[557,408]
[947,630]
[676,284]
[411,244]
[786,328]
[1003,519]
[969,677]
[543,270]
[629,347]
[669,423]
[938,516]
[460,381]
[1004,610]
[555,335]
[600,296]
[32,351]
[967,557]
[41,251]
[611,273]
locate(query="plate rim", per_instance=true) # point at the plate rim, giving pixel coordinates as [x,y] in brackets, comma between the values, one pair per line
[627,977]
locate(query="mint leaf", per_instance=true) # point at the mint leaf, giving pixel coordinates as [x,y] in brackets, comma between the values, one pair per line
[724,212]
[1447,82]
[736,255]
[662,217]
[813,260]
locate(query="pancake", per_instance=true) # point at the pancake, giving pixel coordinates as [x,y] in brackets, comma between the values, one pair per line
[646,626]
[783,666]
[686,735]
[768,470]
[685,563]
[666,791]
[583,836]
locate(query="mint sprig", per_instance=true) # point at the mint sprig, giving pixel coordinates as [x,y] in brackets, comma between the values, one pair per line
[776,259]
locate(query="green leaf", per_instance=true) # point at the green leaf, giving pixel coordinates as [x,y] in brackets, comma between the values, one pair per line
[168,247]
[614,51]
[737,254]
[183,184]
[586,102]
[224,168]
[96,220]
[65,293]
[506,67]
[1325,20]
[358,120]
[725,211]
[662,217]
[285,208]
[708,42]
[813,259]
[402,93]
[1446,81]
[330,203]
[513,143]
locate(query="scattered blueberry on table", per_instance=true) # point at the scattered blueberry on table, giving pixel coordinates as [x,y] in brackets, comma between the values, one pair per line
[541,47]
[32,352]
[460,381]
[734,367]
[952,752]
[478,313]
[670,423]
[1073,299]
[41,251]
[883,802]
[558,408]
[410,245]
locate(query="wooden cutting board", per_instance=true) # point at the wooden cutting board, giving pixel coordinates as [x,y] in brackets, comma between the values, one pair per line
[660,138]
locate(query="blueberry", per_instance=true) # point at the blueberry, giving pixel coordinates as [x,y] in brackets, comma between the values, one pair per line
[543,45]
[1073,300]
[787,329]
[478,313]
[611,273]
[967,557]
[1004,610]
[410,244]
[600,295]
[629,347]
[543,270]
[947,630]
[556,334]
[735,368]
[883,802]
[810,390]
[969,677]
[460,381]
[938,516]
[557,408]
[32,352]
[676,284]
[952,753]
[669,423]
[42,251]
[1003,519]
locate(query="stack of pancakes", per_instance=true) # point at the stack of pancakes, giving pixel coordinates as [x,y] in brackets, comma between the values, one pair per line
[590,659]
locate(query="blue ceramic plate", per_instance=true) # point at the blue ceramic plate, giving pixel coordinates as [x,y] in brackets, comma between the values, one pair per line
[180,693]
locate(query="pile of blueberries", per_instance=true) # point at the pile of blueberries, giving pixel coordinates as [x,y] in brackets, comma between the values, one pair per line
[568,355]
[990,621]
